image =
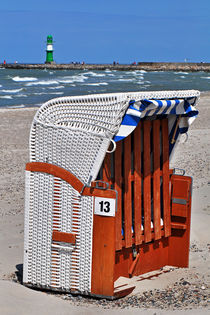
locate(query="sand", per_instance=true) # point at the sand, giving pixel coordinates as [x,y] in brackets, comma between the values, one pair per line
[193,156]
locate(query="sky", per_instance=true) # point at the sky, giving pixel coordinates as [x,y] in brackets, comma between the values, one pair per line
[103,31]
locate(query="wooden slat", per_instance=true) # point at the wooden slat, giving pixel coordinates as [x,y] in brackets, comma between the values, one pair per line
[118,187]
[178,226]
[166,203]
[137,185]
[156,179]
[127,192]
[64,237]
[147,182]
[103,256]
[107,169]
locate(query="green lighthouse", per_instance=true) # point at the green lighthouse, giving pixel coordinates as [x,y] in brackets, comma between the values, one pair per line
[49,50]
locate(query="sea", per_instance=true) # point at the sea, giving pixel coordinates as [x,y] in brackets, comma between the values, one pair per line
[28,88]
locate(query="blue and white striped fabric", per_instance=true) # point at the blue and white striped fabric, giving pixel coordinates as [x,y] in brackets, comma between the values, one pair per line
[138,110]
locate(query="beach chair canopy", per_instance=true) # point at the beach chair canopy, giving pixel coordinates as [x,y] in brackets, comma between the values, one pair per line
[181,112]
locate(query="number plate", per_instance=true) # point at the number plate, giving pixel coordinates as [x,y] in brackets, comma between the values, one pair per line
[105,206]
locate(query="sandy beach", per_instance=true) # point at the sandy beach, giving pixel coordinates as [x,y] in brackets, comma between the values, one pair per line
[159,295]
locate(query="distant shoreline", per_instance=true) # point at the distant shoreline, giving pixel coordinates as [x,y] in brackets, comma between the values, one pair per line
[146,66]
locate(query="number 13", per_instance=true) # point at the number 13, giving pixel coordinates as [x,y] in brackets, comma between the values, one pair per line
[105,206]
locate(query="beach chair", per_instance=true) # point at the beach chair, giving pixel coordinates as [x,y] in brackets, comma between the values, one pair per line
[101,201]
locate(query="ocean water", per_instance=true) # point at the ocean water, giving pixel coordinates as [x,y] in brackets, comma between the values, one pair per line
[25,88]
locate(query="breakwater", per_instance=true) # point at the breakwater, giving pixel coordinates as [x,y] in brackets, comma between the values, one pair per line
[147,66]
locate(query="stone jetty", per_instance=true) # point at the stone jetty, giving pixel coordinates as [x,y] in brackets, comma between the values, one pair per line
[146,66]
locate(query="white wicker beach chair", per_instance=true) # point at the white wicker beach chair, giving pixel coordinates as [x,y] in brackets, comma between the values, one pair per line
[68,142]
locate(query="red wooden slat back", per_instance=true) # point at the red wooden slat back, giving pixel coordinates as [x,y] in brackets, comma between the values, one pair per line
[137,184]
[156,178]
[147,182]
[107,169]
[155,173]
[118,187]
[166,202]
[127,193]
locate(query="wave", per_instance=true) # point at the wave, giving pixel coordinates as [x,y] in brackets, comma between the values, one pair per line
[9,97]
[96,84]
[11,91]
[45,93]
[181,72]
[94,74]
[136,72]
[23,79]
[126,80]
[56,87]
[140,71]
[17,106]
[205,78]
[20,95]
[48,82]
[72,79]
[56,93]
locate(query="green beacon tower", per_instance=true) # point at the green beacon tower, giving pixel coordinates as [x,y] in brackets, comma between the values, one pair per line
[49,50]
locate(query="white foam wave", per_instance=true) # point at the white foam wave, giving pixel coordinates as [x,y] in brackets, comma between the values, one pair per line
[126,80]
[56,87]
[47,82]
[181,72]
[23,79]
[11,91]
[67,81]
[0,85]
[44,93]
[17,106]
[56,93]
[72,79]
[9,97]
[21,95]
[141,71]
[94,74]
[96,84]
[137,72]
[205,78]
[107,71]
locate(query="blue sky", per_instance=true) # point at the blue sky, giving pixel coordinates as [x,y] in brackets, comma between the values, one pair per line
[101,31]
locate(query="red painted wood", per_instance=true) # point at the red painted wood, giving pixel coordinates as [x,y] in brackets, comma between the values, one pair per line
[147,182]
[133,265]
[180,238]
[69,178]
[137,184]
[156,178]
[107,169]
[127,192]
[103,256]
[63,237]
[166,203]
[153,256]
[118,187]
